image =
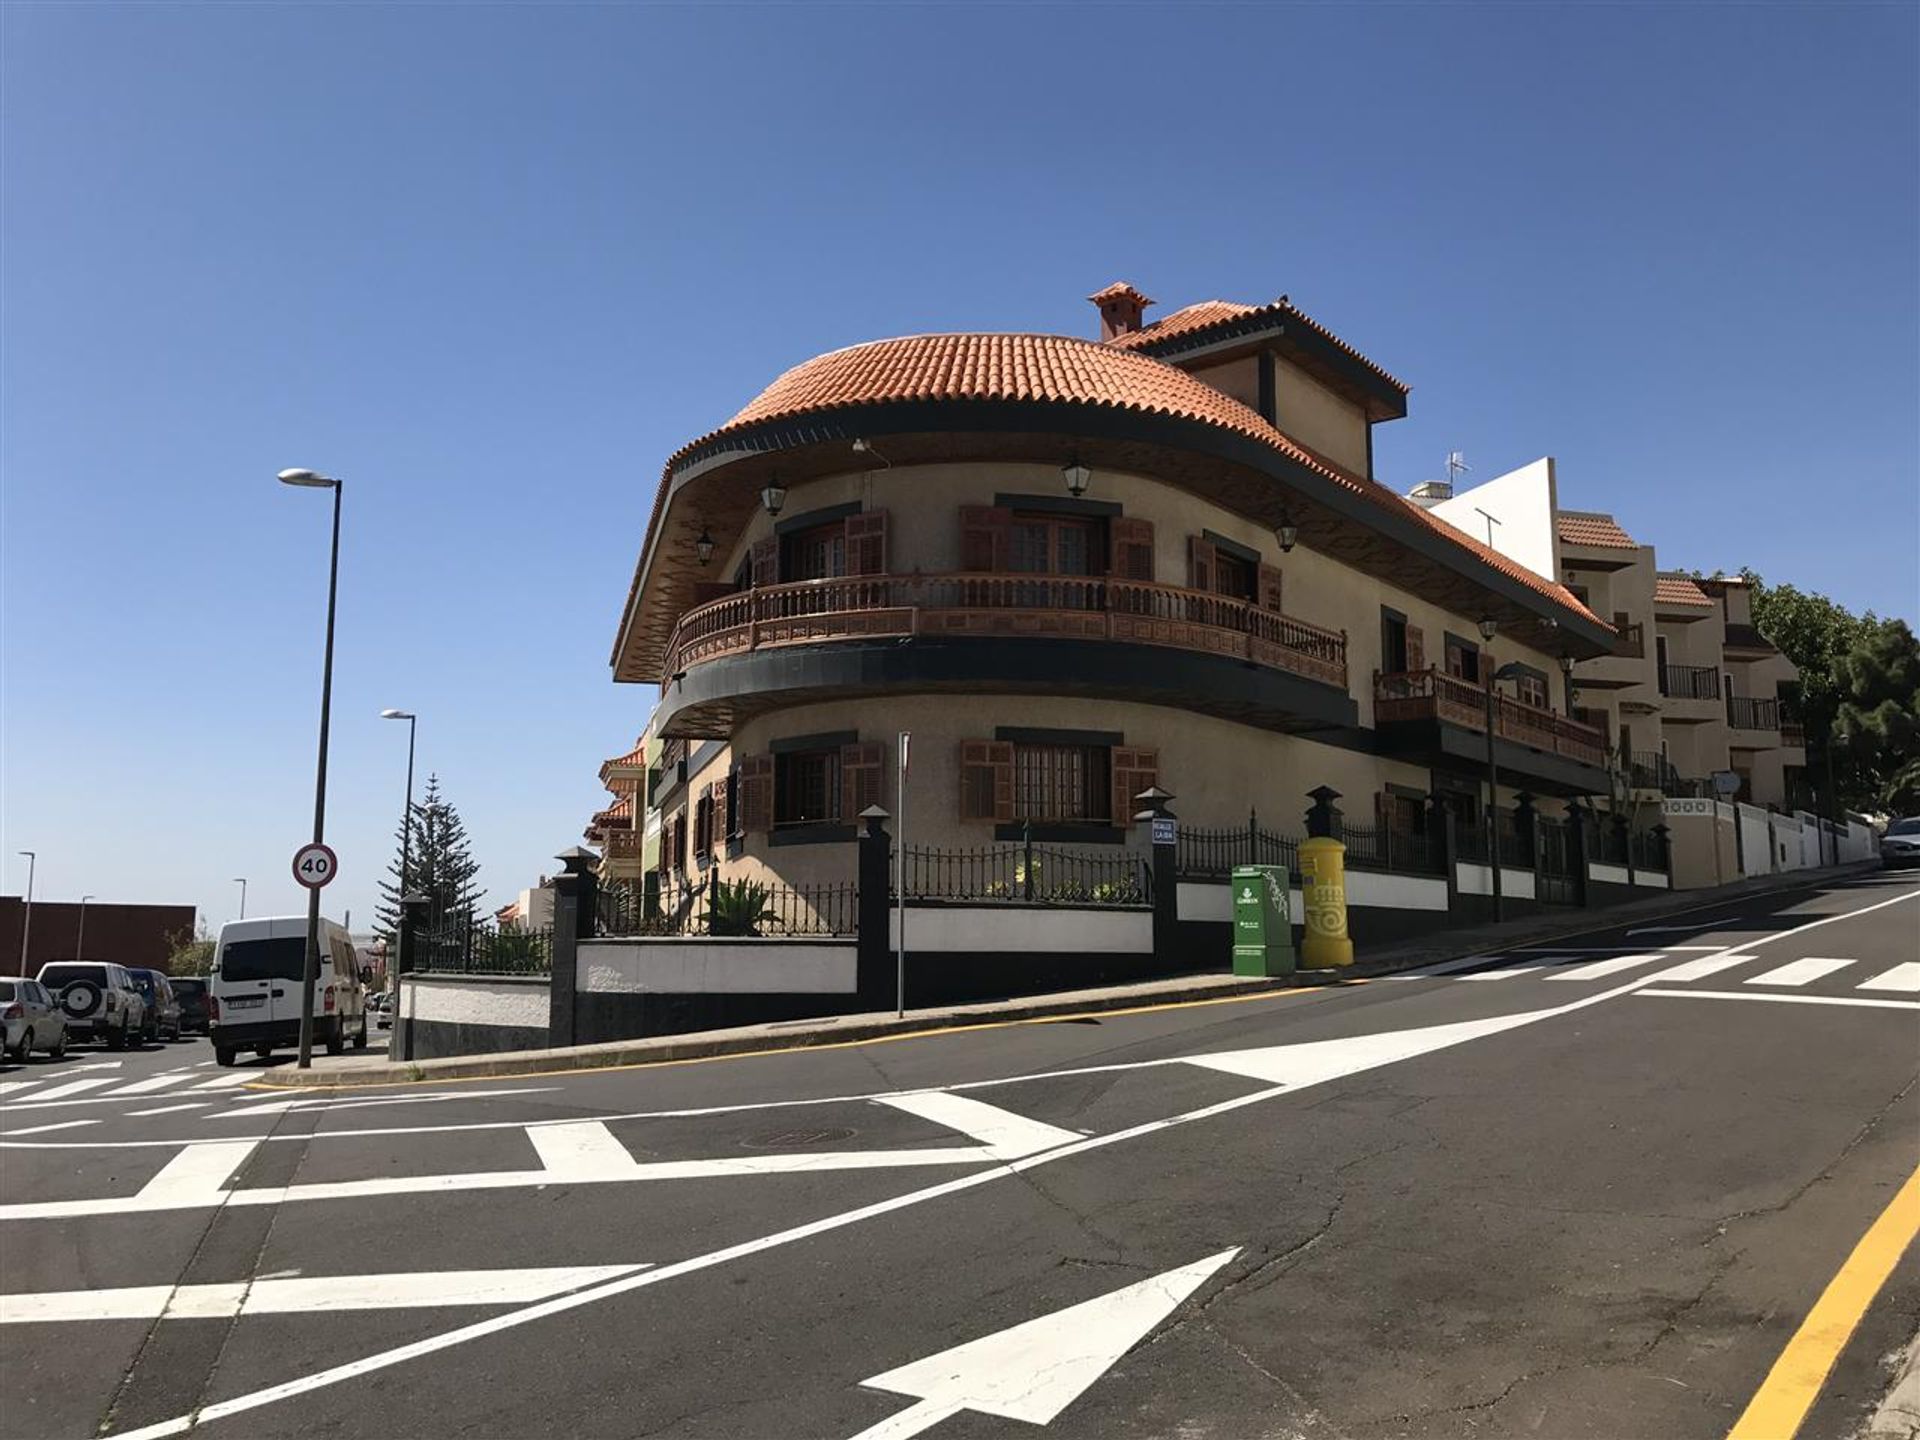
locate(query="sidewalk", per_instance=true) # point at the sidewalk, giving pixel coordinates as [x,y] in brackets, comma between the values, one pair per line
[843,1029]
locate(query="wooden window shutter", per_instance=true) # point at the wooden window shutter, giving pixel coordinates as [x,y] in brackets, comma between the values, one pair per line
[722,820]
[1200,566]
[755,791]
[1269,587]
[867,543]
[861,767]
[1130,548]
[986,780]
[1132,770]
[986,536]
[1416,648]
[765,560]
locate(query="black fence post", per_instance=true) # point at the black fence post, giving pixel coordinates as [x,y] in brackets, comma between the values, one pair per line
[1577,845]
[1449,847]
[575,903]
[1322,818]
[413,910]
[1662,848]
[1624,831]
[1026,861]
[1163,836]
[873,944]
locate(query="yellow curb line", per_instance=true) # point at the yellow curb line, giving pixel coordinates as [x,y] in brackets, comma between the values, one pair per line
[1291,992]
[1779,1407]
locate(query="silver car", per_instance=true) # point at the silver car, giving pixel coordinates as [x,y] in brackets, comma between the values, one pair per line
[1901,844]
[33,1018]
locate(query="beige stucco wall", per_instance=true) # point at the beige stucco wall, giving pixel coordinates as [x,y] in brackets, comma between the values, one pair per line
[924,535]
[1315,416]
[1238,378]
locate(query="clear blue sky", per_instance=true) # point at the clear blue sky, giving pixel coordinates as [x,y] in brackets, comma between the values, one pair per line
[493,264]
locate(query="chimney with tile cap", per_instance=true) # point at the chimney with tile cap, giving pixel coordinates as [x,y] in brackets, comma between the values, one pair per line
[1120,309]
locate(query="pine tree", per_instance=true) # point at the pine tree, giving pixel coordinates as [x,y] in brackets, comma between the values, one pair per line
[438,866]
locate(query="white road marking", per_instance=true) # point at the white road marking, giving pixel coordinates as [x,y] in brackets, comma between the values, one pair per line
[1800,972]
[1675,929]
[253,1104]
[1596,949]
[1600,969]
[1034,1370]
[1446,967]
[1912,1006]
[227,1082]
[1904,976]
[1700,969]
[583,1151]
[145,1087]
[1005,1135]
[7,1087]
[57,1125]
[423,1289]
[172,1109]
[1503,974]
[322,1379]
[72,1087]
[93,1065]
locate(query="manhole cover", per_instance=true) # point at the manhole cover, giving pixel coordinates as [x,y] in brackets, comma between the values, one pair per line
[802,1139]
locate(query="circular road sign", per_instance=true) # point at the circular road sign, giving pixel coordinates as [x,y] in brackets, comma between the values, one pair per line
[313,865]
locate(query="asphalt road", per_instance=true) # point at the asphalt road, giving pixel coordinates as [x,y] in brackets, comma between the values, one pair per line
[1585,1192]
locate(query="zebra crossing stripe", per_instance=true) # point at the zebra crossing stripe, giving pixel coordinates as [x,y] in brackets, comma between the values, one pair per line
[145,1087]
[227,1082]
[1903,977]
[1600,969]
[1501,974]
[1800,972]
[1700,969]
[72,1087]
[8,1087]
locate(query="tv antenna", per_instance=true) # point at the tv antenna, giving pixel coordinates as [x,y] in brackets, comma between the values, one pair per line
[1456,466]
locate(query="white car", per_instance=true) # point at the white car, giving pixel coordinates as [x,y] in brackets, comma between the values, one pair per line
[254,992]
[32,1018]
[99,1000]
[1901,844]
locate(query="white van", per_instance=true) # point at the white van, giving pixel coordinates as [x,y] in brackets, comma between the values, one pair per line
[253,994]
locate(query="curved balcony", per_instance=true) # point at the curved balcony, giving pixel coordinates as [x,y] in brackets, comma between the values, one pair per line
[1440,719]
[1068,607]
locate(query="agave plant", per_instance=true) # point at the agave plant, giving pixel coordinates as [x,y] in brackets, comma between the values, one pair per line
[737,909]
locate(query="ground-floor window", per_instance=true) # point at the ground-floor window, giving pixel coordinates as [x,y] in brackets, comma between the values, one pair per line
[1061,783]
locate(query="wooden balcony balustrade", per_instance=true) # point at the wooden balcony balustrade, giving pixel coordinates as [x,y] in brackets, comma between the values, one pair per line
[1075,607]
[1432,694]
[623,844]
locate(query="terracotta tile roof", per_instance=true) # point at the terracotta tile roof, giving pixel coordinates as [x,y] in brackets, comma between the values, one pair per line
[1208,313]
[1578,527]
[636,757]
[619,814]
[1064,370]
[1679,590]
[1119,290]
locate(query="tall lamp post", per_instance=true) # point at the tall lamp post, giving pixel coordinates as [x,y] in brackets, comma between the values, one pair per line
[80,938]
[26,922]
[241,881]
[1489,627]
[313,480]
[394,999]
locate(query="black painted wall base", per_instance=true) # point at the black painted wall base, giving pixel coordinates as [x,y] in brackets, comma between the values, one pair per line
[433,1039]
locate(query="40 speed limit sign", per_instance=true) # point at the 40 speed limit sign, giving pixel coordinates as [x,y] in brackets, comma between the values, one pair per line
[313,865]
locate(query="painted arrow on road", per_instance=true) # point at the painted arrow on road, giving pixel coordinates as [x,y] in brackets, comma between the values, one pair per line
[1036,1369]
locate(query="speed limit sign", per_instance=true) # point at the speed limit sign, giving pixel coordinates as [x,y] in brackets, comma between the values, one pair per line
[313,865]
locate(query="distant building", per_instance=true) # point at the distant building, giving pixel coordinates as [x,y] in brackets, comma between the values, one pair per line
[617,829]
[532,910]
[138,935]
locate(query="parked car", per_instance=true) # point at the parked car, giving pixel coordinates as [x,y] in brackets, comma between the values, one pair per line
[191,992]
[163,1008]
[1900,845]
[32,1017]
[99,1000]
[259,969]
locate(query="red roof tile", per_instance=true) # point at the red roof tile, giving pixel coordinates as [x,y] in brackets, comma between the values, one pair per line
[1577,527]
[1208,313]
[1679,590]
[1119,290]
[1059,369]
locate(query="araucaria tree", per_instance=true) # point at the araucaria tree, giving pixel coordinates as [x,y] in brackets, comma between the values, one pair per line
[438,865]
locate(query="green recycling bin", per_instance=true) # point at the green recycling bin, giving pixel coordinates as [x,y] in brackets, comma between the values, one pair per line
[1262,920]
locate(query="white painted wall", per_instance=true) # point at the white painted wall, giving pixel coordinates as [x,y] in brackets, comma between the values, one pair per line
[706,966]
[1213,899]
[1607,874]
[476,1002]
[1017,929]
[1523,502]
[1478,880]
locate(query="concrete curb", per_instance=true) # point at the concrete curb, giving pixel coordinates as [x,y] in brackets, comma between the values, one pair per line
[845,1029]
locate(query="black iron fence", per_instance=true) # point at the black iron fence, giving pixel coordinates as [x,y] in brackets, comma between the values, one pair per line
[1203,854]
[1026,873]
[726,908]
[471,947]
[1608,842]
[1647,850]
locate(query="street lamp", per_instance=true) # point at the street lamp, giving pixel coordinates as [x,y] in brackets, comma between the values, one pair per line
[26,923]
[406,860]
[313,480]
[241,881]
[80,939]
[1506,672]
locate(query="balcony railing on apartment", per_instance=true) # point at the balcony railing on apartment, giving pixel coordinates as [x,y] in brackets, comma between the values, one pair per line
[1630,642]
[623,844]
[1747,712]
[1649,770]
[1432,694]
[1054,606]
[1793,732]
[1690,682]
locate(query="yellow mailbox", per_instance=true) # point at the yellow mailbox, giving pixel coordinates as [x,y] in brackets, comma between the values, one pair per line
[1323,896]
